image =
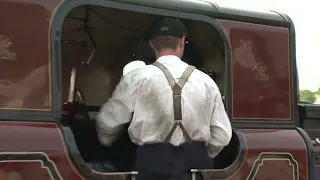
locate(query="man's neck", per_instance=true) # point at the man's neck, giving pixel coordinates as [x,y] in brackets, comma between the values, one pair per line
[167,52]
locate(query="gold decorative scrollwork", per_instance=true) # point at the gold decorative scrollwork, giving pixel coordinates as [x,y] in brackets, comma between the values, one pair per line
[5,52]
[260,72]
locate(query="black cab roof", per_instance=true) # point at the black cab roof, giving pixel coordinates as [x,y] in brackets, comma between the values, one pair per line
[210,8]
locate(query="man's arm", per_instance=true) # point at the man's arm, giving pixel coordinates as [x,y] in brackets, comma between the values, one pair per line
[115,113]
[220,127]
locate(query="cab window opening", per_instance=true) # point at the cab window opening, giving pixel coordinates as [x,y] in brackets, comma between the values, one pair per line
[94,52]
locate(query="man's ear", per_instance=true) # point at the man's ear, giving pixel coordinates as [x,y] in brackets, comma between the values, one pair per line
[182,41]
[151,45]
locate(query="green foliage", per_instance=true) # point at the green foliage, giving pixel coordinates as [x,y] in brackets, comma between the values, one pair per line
[309,96]
[317,92]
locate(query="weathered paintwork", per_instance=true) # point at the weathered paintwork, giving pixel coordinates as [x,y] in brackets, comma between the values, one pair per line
[37,150]
[260,71]
[30,144]
[24,77]
[260,58]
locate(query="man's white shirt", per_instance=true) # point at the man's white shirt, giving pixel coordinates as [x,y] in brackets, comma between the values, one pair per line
[146,93]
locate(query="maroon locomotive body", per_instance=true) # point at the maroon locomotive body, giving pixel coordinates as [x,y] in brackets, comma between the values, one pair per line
[60,60]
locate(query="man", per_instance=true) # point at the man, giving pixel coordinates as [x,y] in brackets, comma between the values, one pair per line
[178,115]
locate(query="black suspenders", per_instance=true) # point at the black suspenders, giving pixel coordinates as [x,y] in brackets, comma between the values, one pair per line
[176,89]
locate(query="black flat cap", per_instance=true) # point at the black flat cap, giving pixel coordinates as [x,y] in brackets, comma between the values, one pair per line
[167,27]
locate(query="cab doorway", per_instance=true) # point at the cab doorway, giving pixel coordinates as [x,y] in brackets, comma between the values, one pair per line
[96,43]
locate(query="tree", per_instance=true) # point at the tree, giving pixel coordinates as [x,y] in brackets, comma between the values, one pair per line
[317,92]
[308,96]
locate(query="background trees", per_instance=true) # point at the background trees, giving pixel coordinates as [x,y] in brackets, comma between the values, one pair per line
[309,96]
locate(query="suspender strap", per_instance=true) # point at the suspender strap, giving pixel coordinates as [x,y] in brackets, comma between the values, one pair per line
[167,74]
[176,89]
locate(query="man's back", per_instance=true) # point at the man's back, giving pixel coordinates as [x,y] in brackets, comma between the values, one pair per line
[153,103]
[150,93]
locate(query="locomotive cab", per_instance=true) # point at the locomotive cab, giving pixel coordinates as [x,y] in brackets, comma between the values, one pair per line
[95,50]
[62,61]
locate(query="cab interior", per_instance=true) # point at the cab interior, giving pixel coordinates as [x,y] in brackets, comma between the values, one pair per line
[96,43]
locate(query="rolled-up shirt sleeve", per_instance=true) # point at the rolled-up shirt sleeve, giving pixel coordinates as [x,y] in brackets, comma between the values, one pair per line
[115,113]
[220,127]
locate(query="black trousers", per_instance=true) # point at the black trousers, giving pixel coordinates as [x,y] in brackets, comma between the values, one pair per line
[167,162]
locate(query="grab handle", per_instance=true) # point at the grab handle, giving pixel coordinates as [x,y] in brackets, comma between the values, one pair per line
[134,175]
[194,174]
